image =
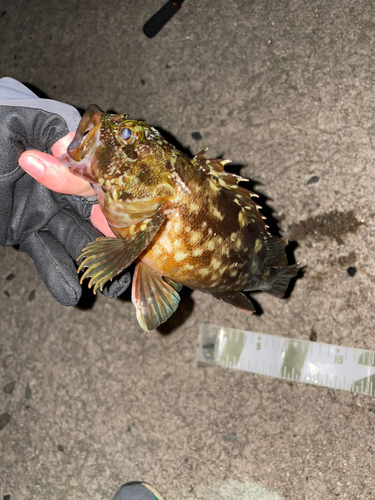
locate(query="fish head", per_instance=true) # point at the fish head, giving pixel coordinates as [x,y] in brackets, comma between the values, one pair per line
[127,162]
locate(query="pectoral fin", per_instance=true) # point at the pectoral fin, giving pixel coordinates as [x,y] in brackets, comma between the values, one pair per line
[154,299]
[236,299]
[107,257]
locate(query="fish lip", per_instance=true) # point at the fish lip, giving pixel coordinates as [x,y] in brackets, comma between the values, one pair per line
[87,133]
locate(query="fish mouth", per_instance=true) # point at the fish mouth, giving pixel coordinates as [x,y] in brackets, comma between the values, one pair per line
[87,133]
[81,150]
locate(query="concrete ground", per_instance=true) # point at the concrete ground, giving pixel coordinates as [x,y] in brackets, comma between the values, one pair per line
[285,89]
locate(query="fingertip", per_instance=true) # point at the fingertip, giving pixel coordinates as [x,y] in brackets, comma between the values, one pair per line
[32,165]
[47,170]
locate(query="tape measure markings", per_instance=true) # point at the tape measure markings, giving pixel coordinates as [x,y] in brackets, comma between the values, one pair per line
[315,363]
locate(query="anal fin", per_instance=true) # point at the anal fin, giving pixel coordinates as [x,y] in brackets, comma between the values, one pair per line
[236,299]
[154,299]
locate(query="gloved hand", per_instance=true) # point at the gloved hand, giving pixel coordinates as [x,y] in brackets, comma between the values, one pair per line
[51,228]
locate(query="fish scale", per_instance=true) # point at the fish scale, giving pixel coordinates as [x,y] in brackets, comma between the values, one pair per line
[182,221]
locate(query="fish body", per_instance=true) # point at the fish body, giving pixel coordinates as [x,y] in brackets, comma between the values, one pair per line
[184,221]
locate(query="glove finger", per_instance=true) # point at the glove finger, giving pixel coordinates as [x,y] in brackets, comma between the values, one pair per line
[114,289]
[55,266]
[72,231]
[81,205]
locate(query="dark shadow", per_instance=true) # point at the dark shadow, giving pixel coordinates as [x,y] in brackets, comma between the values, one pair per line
[112,111]
[80,110]
[289,250]
[36,90]
[87,299]
[127,295]
[258,308]
[183,312]
[293,282]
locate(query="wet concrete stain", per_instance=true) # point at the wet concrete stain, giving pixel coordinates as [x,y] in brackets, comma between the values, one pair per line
[230,438]
[346,260]
[334,225]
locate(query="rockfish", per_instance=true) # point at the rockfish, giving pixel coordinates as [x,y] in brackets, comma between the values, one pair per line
[183,221]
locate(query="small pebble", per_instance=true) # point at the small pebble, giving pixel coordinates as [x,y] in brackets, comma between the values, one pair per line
[32,296]
[9,387]
[6,293]
[351,271]
[197,136]
[10,277]
[4,420]
[313,180]
[60,447]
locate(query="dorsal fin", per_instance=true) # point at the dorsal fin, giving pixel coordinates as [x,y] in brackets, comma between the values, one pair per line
[228,183]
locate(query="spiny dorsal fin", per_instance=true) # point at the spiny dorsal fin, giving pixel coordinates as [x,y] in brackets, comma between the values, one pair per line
[228,183]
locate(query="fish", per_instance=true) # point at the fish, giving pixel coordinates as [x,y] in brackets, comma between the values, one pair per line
[183,221]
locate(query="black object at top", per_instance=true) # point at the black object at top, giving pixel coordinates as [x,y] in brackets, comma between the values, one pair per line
[158,20]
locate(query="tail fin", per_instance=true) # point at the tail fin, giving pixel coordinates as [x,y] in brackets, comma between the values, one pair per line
[274,252]
[278,280]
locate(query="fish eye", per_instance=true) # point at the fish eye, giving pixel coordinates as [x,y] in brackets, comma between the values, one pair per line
[128,135]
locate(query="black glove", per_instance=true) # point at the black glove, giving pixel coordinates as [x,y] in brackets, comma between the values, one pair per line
[51,228]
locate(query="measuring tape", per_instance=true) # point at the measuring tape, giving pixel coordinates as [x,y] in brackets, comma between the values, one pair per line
[326,365]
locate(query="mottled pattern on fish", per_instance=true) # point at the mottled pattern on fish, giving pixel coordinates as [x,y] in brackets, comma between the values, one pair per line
[206,242]
[185,221]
